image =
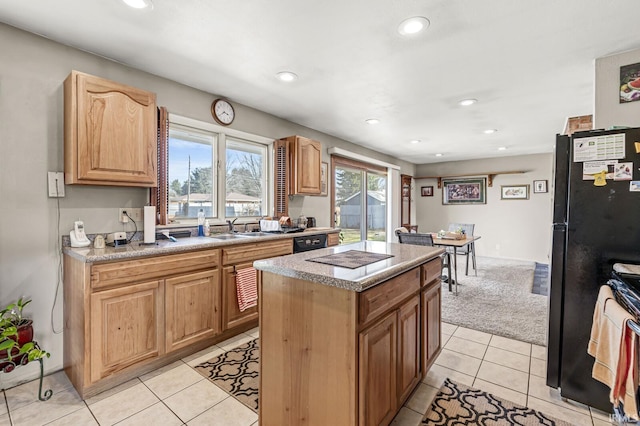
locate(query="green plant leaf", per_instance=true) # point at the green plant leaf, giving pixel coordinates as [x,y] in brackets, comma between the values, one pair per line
[6,345]
[26,347]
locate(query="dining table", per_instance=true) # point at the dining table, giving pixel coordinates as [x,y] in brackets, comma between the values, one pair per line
[468,241]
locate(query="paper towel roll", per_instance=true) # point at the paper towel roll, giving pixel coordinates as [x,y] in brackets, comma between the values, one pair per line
[149,224]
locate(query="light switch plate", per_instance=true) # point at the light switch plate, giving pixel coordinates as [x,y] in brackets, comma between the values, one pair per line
[55,184]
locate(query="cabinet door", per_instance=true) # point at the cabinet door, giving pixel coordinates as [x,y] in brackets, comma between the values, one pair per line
[408,347]
[307,158]
[126,327]
[112,131]
[333,239]
[192,308]
[378,372]
[231,314]
[431,325]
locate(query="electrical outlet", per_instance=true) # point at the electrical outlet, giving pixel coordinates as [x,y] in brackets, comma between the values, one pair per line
[134,213]
[55,182]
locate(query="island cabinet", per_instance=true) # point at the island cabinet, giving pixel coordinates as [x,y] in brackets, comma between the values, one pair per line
[123,318]
[431,297]
[110,133]
[235,259]
[358,352]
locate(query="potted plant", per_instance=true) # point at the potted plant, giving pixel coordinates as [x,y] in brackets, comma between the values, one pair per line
[16,337]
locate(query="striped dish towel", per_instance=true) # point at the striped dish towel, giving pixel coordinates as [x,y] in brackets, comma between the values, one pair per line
[246,288]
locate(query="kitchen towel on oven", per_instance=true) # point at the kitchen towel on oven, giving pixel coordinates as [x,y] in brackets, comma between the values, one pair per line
[614,346]
[246,288]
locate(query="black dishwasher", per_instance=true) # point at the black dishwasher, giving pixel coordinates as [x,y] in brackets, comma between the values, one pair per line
[309,242]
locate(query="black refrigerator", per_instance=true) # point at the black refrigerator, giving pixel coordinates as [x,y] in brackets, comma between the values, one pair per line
[593,228]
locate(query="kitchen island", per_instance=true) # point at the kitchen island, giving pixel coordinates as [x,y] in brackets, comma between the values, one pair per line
[348,344]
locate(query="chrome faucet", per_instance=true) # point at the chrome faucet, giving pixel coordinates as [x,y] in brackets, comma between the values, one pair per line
[230,223]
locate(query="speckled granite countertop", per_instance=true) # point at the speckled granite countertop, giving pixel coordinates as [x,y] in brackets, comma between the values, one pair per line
[162,247]
[405,257]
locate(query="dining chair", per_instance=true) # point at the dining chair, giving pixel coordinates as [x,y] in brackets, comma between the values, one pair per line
[427,240]
[469,249]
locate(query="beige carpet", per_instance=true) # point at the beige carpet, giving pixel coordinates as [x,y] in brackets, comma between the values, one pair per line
[498,301]
[236,372]
[457,405]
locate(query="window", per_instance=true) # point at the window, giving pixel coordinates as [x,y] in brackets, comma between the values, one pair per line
[359,217]
[223,171]
[245,179]
[192,154]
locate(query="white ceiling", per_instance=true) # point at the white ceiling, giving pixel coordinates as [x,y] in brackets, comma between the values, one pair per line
[530,63]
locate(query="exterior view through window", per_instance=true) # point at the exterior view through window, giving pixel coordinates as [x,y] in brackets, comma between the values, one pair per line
[225,176]
[190,174]
[360,217]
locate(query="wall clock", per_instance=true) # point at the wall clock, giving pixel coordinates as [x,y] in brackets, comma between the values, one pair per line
[222,112]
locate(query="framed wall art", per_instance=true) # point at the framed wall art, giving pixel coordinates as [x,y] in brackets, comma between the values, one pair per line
[464,191]
[514,192]
[540,186]
[630,83]
[426,191]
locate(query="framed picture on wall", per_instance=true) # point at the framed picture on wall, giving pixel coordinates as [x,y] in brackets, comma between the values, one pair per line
[514,192]
[426,191]
[464,191]
[540,186]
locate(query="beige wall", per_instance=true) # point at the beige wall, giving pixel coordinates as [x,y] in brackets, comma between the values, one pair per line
[514,229]
[32,71]
[608,109]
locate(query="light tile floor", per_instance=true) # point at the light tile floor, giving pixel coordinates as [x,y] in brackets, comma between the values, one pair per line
[177,395]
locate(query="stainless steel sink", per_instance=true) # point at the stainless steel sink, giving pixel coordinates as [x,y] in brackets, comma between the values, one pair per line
[255,234]
[227,236]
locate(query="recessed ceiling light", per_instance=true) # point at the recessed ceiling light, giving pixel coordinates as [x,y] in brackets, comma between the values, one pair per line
[413,25]
[286,76]
[490,131]
[415,141]
[438,155]
[372,121]
[467,102]
[139,4]
[502,148]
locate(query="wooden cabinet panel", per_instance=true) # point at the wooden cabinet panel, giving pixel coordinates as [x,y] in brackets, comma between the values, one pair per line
[126,327]
[432,271]
[333,239]
[375,301]
[378,372]
[231,314]
[116,273]
[409,373]
[110,133]
[192,308]
[431,325]
[256,251]
[306,163]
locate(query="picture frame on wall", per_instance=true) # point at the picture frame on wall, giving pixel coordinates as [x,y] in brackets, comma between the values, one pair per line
[630,83]
[324,173]
[514,192]
[540,186]
[464,191]
[426,191]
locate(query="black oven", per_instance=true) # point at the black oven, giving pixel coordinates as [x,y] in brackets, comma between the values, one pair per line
[309,242]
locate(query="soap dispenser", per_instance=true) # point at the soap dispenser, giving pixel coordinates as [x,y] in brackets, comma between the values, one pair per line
[201,223]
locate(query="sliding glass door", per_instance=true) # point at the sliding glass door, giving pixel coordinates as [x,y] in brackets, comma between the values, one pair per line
[361,217]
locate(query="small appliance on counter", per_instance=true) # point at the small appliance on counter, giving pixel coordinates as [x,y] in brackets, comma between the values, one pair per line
[116,239]
[311,222]
[77,235]
[98,242]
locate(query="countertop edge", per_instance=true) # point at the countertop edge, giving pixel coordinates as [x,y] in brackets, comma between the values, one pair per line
[138,250]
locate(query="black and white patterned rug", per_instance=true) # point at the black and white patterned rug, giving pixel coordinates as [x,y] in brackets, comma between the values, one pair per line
[456,404]
[236,372]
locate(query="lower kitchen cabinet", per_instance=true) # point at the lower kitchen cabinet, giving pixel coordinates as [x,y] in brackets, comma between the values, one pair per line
[192,306]
[378,371]
[126,327]
[231,315]
[409,372]
[431,324]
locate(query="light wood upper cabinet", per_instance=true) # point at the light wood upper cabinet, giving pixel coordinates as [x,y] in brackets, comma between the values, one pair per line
[110,133]
[126,327]
[306,160]
[192,308]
